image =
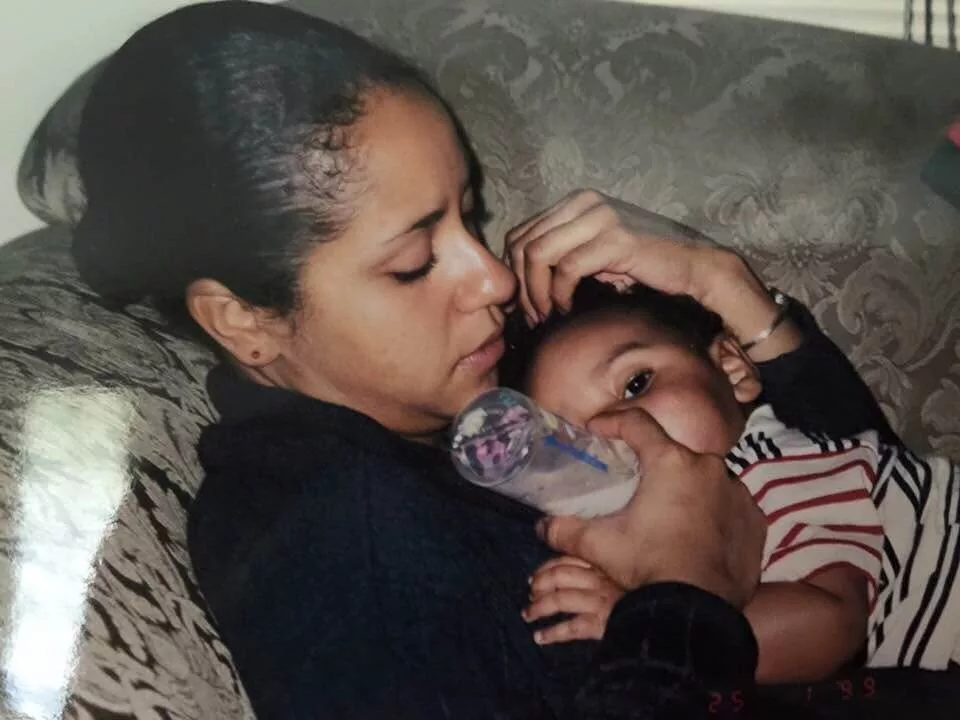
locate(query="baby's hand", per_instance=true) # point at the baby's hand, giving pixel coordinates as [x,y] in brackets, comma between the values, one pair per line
[573,586]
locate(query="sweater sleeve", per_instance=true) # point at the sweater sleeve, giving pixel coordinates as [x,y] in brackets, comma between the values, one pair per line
[816,389]
[672,651]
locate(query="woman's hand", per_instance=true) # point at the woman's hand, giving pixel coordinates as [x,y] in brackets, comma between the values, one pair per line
[573,586]
[589,234]
[687,522]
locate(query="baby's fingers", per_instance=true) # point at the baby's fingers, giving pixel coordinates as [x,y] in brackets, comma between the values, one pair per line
[581,627]
[566,576]
[564,560]
[571,601]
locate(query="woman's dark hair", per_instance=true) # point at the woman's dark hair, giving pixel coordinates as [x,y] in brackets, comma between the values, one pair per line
[679,316]
[214,145]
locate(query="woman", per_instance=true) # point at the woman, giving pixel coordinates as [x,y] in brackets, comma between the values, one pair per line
[305,200]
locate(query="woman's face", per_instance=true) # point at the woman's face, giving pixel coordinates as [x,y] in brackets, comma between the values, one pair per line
[401,314]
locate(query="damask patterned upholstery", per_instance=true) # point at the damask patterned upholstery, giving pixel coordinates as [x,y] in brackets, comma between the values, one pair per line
[799,147]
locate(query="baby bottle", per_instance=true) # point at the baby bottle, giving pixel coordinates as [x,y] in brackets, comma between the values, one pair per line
[505,442]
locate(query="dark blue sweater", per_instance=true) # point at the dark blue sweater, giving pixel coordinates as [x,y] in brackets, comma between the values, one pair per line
[353,574]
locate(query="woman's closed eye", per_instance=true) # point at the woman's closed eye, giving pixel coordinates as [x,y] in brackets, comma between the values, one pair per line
[473,218]
[407,277]
[638,384]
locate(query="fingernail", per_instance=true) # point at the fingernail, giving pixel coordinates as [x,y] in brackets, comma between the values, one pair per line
[530,580]
[541,528]
[538,637]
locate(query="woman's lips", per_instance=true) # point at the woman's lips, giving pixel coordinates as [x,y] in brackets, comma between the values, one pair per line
[485,357]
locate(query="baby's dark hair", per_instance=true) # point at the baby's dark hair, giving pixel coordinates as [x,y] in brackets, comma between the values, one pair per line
[680,316]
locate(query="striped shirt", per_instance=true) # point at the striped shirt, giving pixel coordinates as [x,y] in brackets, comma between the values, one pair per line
[857,503]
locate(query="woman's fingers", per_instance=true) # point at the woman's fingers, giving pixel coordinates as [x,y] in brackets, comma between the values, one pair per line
[517,232]
[567,210]
[523,245]
[545,254]
[604,257]
[562,211]
[514,254]
[641,431]
[587,234]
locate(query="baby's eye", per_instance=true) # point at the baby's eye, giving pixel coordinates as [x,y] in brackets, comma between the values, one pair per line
[637,385]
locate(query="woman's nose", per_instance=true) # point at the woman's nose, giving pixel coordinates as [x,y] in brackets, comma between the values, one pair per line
[487,280]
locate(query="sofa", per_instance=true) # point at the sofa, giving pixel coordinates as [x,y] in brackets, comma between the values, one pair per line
[802,148]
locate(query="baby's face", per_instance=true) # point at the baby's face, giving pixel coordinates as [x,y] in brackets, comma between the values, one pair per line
[618,362]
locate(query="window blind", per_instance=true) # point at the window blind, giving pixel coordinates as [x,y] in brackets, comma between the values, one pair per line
[933,22]
[892,18]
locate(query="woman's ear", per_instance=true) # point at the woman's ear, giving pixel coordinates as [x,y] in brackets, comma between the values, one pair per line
[733,362]
[241,329]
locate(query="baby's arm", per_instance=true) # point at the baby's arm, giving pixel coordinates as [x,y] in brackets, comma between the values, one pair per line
[808,630]
[822,561]
[805,630]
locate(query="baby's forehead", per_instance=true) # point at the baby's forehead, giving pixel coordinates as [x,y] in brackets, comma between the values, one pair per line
[598,335]
[610,326]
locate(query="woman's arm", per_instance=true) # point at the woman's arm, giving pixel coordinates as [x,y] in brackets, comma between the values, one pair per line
[589,234]
[814,388]
[672,650]
[810,383]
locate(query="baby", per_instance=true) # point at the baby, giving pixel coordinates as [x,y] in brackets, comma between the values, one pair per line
[862,546]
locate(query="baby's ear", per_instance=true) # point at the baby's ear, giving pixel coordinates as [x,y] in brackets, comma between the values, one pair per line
[733,362]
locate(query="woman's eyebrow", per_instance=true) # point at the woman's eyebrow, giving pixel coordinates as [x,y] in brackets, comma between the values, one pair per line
[431,218]
[427,221]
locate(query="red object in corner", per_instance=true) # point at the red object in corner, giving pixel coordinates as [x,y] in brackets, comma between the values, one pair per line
[953,133]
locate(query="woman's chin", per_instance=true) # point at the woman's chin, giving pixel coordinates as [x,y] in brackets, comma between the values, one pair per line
[480,385]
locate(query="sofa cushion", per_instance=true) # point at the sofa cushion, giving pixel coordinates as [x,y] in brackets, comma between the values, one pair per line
[48,179]
[99,415]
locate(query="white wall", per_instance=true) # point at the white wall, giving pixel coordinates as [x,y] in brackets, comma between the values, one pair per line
[44,46]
